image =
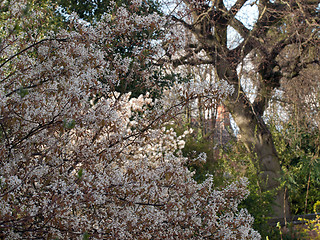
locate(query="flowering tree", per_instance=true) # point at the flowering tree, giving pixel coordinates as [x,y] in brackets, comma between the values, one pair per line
[79,159]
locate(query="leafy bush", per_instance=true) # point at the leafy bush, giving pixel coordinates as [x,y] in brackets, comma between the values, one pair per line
[298,151]
[311,228]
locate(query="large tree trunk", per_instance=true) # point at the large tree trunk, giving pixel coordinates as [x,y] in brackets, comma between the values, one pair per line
[258,141]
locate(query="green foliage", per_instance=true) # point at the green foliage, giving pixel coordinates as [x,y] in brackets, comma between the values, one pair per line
[311,228]
[50,20]
[192,150]
[196,145]
[80,173]
[85,236]
[288,232]
[69,124]
[316,207]
[227,164]
[237,162]
[91,10]
[23,92]
[298,151]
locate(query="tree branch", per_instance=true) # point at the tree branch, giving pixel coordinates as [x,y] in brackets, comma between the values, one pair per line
[240,28]
[186,25]
[270,78]
[192,62]
[235,8]
[29,47]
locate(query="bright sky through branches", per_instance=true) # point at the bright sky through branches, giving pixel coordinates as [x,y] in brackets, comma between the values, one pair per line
[248,15]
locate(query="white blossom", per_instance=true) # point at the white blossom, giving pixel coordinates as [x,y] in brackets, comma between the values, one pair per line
[78,157]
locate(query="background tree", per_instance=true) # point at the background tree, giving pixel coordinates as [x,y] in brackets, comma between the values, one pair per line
[280,26]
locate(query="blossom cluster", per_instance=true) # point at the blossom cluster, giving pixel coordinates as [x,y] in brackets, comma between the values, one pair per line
[80,159]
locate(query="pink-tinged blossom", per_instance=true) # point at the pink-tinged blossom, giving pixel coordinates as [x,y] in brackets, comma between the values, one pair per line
[77,157]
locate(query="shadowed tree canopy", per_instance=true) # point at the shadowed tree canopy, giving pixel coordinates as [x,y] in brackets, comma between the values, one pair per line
[92,10]
[282,43]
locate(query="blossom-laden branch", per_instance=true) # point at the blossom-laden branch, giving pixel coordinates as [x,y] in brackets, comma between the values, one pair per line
[59,110]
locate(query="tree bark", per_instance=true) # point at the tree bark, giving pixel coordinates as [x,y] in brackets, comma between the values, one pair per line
[258,141]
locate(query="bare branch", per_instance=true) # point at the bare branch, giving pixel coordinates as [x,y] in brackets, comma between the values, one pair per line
[235,8]
[186,25]
[240,28]
[192,62]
